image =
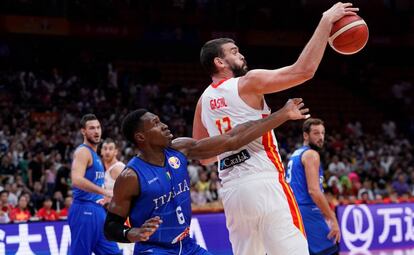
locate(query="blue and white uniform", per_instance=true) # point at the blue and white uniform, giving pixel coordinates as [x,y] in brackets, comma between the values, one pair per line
[86,217]
[315,225]
[164,192]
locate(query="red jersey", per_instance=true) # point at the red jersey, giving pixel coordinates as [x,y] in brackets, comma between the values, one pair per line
[63,212]
[19,215]
[45,214]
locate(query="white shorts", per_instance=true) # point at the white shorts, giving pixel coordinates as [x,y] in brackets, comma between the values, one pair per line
[262,216]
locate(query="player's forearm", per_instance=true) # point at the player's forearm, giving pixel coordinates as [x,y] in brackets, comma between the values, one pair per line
[86,185]
[247,132]
[312,54]
[323,205]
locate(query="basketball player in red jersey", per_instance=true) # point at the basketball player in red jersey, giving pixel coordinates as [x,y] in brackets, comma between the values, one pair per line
[261,212]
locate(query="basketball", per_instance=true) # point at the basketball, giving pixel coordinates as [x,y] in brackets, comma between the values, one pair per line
[349,35]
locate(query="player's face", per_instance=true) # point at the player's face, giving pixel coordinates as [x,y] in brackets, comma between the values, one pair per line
[108,151]
[234,59]
[316,135]
[156,132]
[92,132]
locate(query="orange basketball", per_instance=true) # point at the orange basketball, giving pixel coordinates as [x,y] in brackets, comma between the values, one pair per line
[349,35]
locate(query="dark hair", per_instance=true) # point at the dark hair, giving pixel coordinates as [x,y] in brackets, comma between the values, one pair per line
[4,191]
[87,117]
[110,140]
[211,50]
[131,123]
[309,122]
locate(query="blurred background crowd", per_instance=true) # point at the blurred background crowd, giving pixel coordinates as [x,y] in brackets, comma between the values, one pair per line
[62,59]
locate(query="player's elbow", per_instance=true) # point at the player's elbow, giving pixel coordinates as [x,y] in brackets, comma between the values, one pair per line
[303,72]
[314,193]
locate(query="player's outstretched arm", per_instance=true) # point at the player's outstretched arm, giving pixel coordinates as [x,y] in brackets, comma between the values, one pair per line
[81,159]
[311,162]
[241,134]
[261,81]
[125,190]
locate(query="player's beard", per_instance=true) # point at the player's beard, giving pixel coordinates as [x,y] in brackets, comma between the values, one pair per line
[239,71]
[92,141]
[315,147]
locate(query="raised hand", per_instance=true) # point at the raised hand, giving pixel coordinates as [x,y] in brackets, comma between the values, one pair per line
[143,233]
[293,108]
[339,10]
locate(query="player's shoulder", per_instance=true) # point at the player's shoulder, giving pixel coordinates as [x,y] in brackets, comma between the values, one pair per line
[310,154]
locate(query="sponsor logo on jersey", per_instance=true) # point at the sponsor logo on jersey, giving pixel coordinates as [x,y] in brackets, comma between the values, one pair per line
[234,159]
[174,162]
[217,103]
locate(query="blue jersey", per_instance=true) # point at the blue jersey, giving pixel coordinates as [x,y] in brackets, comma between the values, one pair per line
[164,192]
[296,177]
[94,173]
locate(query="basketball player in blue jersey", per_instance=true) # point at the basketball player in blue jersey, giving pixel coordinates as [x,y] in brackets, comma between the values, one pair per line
[86,215]
[305,175]
[154,189]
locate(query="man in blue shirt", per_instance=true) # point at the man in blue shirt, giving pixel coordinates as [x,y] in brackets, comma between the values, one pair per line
[87,215]
[305,175]
[154,189]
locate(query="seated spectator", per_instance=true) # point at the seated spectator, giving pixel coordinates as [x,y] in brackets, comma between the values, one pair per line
[367,190]
[203,183]
[400,185]
[63,214]
[212,194]
[21,213]
[46,212]
[6,207]
[4,216]
[58,201]
[197,198]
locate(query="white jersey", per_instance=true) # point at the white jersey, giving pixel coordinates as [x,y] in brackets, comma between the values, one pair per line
[109,181]
[223,109]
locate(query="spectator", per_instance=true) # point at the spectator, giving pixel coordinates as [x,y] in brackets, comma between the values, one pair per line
[336,166]
[4,216]
[58,201]
[400,185]
[63,214]
[37,196]
[367,190]
[21,213]
[35,170]
[6,207]
[46,212]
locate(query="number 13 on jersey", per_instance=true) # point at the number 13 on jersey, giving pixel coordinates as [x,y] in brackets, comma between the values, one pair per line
[223,124]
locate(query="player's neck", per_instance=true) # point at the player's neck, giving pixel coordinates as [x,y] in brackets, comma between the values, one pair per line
[227,74]
[110,163]
[93,146]
[154,156]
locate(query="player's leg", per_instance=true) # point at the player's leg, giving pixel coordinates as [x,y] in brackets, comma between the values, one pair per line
[281,226]
[317,231]
[103,246]
[81,232]
[242,220]
[281,236]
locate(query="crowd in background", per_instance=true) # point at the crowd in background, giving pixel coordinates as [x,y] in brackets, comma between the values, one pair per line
[36,144]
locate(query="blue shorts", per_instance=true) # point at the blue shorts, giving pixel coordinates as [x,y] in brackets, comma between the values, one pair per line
[317,231]
[86,222]
[188,247]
